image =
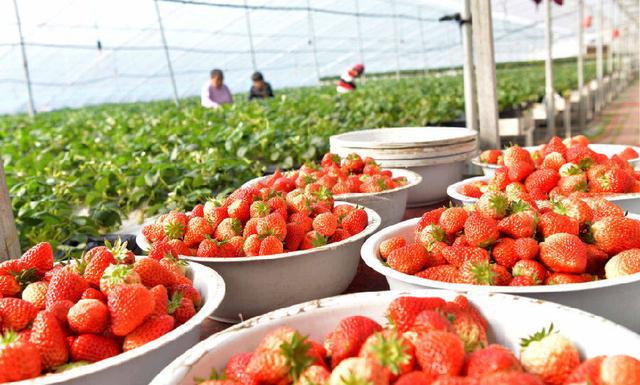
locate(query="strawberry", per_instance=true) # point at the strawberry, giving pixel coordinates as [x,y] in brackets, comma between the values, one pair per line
[431,217]
[434,254]
[181,308]
[214,213]
[615,234]
[509,378]
[314,375]
[522,280]
[542,180]
[389,350]
[160,249]
[492,359]
[39,257]
[93,348]
[65,284]
[197,229]
[88,316]
[587,372]
[452,219]
[525,248]
[259,209]
[408,259]
[273,224]
[572,183]
[16,313]
[555,145]
[240,208]
[477,271]
[549,355]
[553,223]
[313,239]
[564,253]
[347,338]
[251,227]
[440,352]
[151,329]
[493,204]
[471,190]
[530,268]
[620,370]
[36,293]
[129,305]
[553,161]
[353,163]
[480,231]
[429,235]
[228,228]
[49,338]
[208,248]
[574,208]
[329,159]
[270,245]
[457,255]
[251,245]
[389,245]
[60,309]
[518,225]
[358,370]
[402,311]
[281,356]
[504,252]
[514,154]
[117,274]
[325,224]
[236,369]
[9,286]
[152,273]
[443,273]
[11,267]
[161,299]
[602,208]
[355,221]
[188,291]
[564,278]
[19,360]
[153,232]
[490,156]
[613,180]
[596,259]
[624,263]
[428,320]
[175,224]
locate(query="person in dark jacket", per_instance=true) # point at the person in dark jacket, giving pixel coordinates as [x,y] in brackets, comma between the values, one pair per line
[260,89]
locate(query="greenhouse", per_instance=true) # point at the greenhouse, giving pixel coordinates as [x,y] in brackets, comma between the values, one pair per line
[320,192]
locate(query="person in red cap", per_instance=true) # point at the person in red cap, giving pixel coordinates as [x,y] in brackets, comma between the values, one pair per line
[347,82]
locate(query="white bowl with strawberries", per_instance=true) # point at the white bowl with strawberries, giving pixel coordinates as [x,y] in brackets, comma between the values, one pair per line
[580,254]
[106,318]
[272,249]
[438,337]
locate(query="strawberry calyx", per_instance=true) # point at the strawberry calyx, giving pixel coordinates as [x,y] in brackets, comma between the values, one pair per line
[213,376]
[69,366]
[352,379]
[519,206]
[318,240]
[174,230]
[296,355]
[118,249]
[118,274]
[8,337]
[537,336]
[27,276]
[174,302]
[585,163]
[390,352]
[482,273]
[499,203]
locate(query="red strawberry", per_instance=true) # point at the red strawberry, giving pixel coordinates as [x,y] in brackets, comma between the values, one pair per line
[457,255]
[564,278]
[555,145]
[480,231]
[355,221]
[152,273]
[573,183]
[161,299]
[428,320]
[408,259]
[11,267]
[252,245]
[65,284]
[19,360]
[314,374]
[281,356]
[208,248]
[49,338]
[554,223]
[181,308]
[493,204]
[228,228]
[624,263]
[620,370]
[471,190]
[490,156]
[347,338]
[553,160]
[514,154]
[429,235]
[313,239]
[129,305]
[214,213]
[236,369]
[504,252]
[603,208]
[153,232]
[175,224]
[549,355]
[39,257]
[615,234]
[358,370]
[325,224]
[431,217]
[188,291]
[440,352]
[518,225]
[402,311]
[443,273]
[542,180]
[93,348]
[161,249]
[588,372]
[117,274]
[519,170]
[492,359]
[564,253]
[16,313]
[36,293]
[389,245]
[197,229]
[270,245]
[522,280]
[151,329]
[613,180]
[452,219]
[530,268]
[88,316]
[391,350]
[509,378]
[526,248]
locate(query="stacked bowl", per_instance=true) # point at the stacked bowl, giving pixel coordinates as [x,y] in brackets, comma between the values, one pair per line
[437,154]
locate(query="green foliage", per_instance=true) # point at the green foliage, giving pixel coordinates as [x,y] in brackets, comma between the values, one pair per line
[78,173]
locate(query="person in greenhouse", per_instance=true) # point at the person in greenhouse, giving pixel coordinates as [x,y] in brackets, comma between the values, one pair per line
[347,82]
[260,89]
[214,92]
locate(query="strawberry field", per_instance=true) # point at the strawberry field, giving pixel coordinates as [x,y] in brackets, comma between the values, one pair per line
[74,173]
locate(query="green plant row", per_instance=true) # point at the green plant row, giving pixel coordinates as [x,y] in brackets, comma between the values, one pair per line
[77,173]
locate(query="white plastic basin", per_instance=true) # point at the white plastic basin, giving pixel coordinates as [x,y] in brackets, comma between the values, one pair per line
[615,299]
[140,365]
[401,137]
[256,285]
[510,318]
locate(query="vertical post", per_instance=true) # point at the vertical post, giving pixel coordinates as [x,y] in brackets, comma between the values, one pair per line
[484,55]
[396,38]
[9,244]
[247,17]
[470,105]
[166,54]
[610,49]
[359,29]
[425,61]
[599,64]
[548,71]
[25,63]
[312,40]
[581,106]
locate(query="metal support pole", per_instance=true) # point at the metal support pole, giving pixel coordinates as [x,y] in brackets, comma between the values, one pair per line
[548,70]
[396,38]
[470,99]
[581,106]
[166,54]
[425,60]
[9,243]
[484,56]
[250,35]
[25,63]
[312,40]
[599,58]
[359,29]
[610,48]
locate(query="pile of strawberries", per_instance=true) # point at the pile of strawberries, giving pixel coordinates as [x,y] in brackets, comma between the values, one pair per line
[269,218]
[59,316]
[428,342]
[507,239]
[558,169]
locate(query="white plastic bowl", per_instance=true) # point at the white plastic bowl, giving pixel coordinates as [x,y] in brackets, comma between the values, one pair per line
[615,299]
[389,204]
[140,365]
[403,137]
[629,202]
[425,152]
[510,318]
[606,149]
[256,285]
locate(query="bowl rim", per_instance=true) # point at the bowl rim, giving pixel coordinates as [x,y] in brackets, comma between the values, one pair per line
[452,191]
[192,356]
[465,136]
[215,285]
[372,226]
[369,255]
